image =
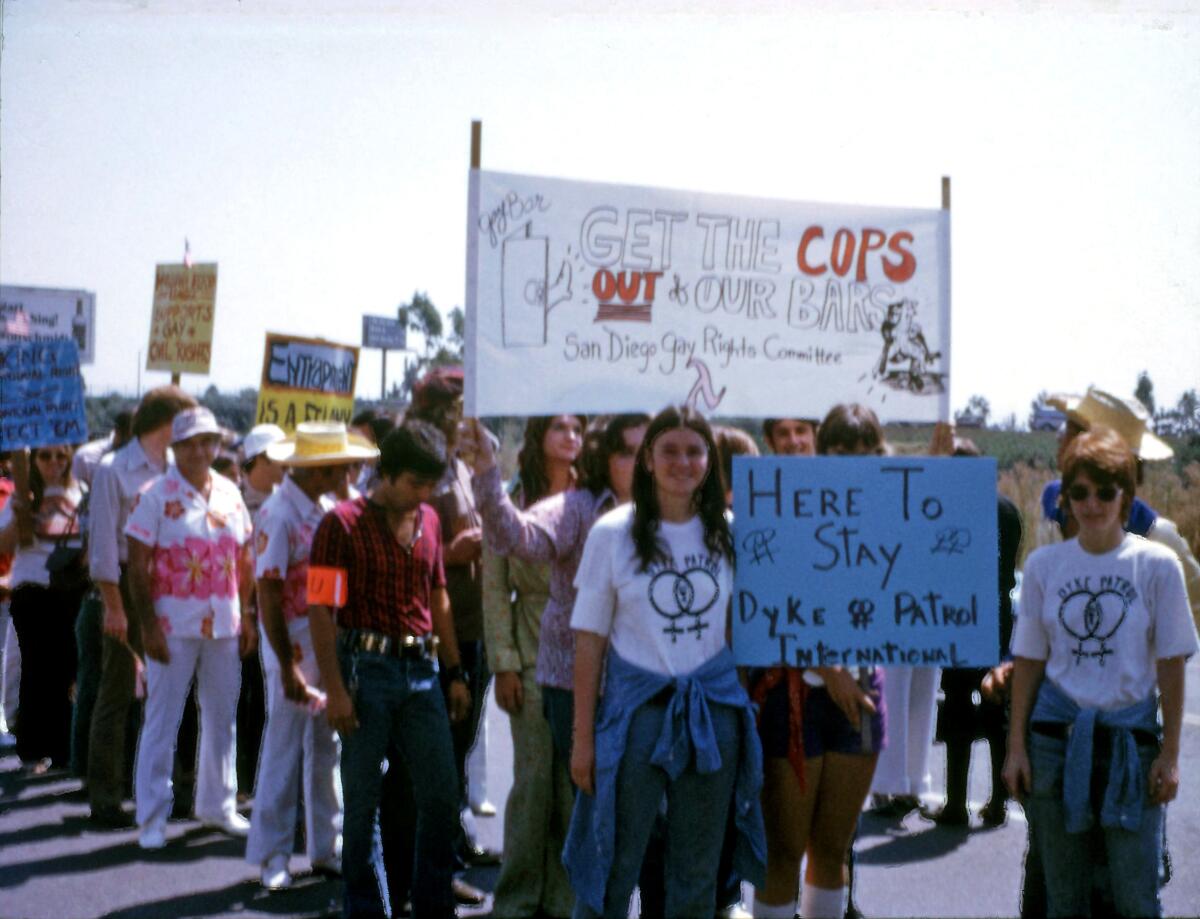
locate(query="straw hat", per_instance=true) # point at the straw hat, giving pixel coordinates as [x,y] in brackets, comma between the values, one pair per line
[1125,416]
[322,443]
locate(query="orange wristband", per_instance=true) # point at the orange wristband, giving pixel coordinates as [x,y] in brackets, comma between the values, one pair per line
[327,586]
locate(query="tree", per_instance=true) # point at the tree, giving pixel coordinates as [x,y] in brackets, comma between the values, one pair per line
[421,316]
[1145,392]
[1188,410]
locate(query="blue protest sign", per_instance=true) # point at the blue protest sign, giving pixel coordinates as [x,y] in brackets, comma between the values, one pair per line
[865,561]
[41,394]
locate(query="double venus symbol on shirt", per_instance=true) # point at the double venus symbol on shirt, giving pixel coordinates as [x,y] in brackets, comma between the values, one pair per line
[1092,616]
[690,593]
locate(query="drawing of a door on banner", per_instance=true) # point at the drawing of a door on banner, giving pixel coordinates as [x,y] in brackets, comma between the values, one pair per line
[526,295]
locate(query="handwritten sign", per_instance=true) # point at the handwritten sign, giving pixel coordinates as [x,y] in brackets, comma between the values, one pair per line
[48,314]
[632,298]
[306,379]
[327,586]
[181,326]
[41,394]
[865,561]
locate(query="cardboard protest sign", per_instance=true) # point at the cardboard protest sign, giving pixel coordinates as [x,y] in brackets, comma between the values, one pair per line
[41,394]
[49,313]
[306,379]
[865,561]
[631,298]
[181,326]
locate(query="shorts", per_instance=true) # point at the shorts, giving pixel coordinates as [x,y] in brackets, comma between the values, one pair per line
[826,729]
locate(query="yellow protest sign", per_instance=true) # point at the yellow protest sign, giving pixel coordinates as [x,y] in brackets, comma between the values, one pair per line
[181,325]
[306,379]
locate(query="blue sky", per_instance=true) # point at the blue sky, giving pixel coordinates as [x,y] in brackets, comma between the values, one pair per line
[319,153]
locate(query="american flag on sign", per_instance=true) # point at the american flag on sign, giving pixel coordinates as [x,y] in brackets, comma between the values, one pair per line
[17,323]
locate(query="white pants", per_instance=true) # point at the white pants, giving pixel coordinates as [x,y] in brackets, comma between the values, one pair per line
[10,668]
[215,664]
[910,694]
[292,733]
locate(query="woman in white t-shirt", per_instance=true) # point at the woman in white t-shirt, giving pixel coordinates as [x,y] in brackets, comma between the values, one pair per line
[1101,641]
[44,616]
[653,593]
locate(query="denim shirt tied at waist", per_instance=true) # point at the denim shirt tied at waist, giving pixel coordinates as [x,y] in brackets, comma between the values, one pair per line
[1124,795]
[687,730]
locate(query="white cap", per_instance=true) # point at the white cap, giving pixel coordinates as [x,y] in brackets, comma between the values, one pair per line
[193,421]
[260,437]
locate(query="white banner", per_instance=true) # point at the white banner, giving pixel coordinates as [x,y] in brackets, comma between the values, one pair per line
[603,298]
[49,314]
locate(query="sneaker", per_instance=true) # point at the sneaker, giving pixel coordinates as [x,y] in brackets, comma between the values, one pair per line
[152,836]
[275,874]
[230,824]
[735,911]
[484,808]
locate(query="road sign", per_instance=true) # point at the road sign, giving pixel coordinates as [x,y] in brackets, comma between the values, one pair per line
[384,332]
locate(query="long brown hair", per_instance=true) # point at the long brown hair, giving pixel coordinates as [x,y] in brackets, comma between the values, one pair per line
[531,460]
[38,484]
[709,497]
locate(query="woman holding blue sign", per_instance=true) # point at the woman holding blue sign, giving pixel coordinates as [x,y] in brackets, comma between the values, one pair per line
[822,730]
[1100,644]
[653,594]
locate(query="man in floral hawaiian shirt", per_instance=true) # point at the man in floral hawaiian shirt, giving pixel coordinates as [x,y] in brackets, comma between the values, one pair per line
[188,565]
[297,730]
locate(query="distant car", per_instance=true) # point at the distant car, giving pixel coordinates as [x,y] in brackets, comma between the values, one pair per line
[1047,419]
[967,420]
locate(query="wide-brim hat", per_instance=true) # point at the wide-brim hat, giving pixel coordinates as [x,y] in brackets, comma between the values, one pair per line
[191,422]
[1125,416]
[322,443]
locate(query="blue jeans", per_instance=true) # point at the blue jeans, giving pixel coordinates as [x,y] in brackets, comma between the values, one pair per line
[401,714]
[697,812]
[1066,858]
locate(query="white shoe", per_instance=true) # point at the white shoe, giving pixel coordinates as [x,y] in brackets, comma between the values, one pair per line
[275,874]
[233,824]
[484,808]
[152,836]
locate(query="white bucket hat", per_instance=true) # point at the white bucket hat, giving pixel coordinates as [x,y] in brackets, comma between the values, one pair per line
[192,422]
[322,443]
[260,437]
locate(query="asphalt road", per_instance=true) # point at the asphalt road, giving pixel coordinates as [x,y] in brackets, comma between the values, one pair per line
[53,865]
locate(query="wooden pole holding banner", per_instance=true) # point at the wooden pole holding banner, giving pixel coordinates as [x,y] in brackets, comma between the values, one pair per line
[476,143]
[946,414]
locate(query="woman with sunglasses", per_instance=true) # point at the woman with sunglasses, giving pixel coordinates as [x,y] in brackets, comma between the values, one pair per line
[1100,646]
[652,613]
[32,525]
[822,730]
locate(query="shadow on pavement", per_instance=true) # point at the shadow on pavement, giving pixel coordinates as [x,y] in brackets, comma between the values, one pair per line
[902,846]
[310,896]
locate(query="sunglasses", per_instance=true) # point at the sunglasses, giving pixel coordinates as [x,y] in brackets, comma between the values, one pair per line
[48,456]
[1105,493]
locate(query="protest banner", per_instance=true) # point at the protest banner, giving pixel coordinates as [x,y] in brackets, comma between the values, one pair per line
[306,379]
[49,313]
[865,561]
[181,326]
[631,298]
[41,394]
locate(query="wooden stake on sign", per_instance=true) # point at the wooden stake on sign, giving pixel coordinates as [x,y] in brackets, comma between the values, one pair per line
[476,143]
[946,207]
